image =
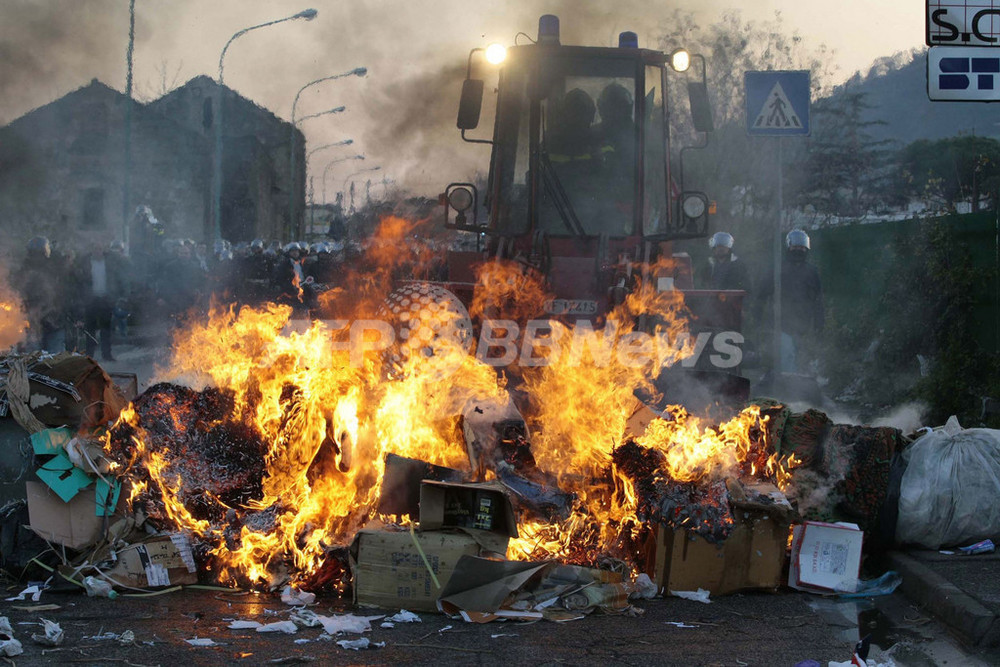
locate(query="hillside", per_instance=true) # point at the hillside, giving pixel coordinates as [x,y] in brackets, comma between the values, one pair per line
[897,92]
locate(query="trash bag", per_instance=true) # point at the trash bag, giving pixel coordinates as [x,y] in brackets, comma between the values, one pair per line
[949,490]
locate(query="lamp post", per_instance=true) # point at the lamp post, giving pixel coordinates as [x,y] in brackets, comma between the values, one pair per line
[329,164]
[308,15]
[127,185]
[292,219]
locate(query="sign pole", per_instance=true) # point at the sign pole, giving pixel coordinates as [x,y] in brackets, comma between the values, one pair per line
[777,265]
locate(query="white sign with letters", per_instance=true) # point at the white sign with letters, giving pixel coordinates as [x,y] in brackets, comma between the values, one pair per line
[962,74]
[963,23]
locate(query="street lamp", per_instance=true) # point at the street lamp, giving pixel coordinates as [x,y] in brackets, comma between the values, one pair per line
[308,15]
[292,221]
[345,142]
[321,113]
[329,164]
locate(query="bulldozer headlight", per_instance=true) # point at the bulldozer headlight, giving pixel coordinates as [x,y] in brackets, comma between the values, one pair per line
[680,60]
[460,199]
[495,53]
[694,206]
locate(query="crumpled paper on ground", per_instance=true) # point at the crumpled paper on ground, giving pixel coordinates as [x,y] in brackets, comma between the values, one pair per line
[295,597]
[52,635]
[700,595]
[358,644]
[645,589]
[288,627]
[404,617]
[202,641]
[35,591]
[305,618]
[8,645]
[347,623]
[245,625]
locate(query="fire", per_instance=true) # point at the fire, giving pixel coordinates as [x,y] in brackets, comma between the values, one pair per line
[308,412]
[13,319]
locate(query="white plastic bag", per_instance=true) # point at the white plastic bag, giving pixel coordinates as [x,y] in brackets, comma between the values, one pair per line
[948,494]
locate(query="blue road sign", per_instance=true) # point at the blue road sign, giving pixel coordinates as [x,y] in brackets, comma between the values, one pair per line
[777,103]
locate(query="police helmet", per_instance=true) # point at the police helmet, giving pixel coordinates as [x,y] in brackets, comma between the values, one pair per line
[257,244]
[797,239]
[39,246]
[723,239]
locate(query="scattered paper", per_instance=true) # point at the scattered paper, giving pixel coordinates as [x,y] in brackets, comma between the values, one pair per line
[387,625]
[202,641]
[288,627]
[678,624]
[645,589]
[52,635]
[305,618]
[348,623]
[244,625]
[127,638]
[405,617]
[358,644]
[700,595]
[34,591]
[8,645]
[503,634]
[294,597]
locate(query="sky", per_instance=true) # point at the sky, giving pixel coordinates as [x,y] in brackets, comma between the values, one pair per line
[402,115]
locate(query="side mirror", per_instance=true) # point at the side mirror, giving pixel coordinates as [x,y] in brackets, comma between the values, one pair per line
[701,110]
[471,105]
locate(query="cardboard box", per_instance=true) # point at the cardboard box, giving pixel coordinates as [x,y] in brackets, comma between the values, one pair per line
[481,506]
[162,560]
[752,557]
[389,571]
[74,524]
[826,557]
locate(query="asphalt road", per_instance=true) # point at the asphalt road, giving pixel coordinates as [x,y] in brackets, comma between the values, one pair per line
[751,629]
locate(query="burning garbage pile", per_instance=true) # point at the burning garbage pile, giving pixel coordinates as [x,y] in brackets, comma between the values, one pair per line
[326,456]
[277,463]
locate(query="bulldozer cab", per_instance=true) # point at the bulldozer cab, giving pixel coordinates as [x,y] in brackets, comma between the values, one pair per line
[581,148]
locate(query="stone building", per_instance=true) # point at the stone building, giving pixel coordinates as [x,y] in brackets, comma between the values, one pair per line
[63,165]
[62,168]
[255,167]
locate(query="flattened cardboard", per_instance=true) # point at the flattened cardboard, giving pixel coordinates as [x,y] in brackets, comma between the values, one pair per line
[389,572]
[434,513]
[50,441]
[826,557]
[752,557]
[74,524]
[162,560]
[63,477]
[482,585]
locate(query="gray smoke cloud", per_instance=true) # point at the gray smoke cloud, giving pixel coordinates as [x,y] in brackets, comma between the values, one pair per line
[402,116]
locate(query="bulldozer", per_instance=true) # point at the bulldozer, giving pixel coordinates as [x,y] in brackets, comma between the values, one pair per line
[585,190]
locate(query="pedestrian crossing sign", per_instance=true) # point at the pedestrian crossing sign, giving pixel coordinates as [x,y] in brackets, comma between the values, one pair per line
[777,103]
